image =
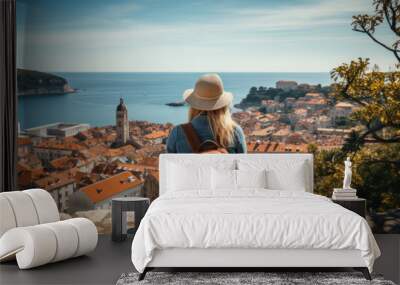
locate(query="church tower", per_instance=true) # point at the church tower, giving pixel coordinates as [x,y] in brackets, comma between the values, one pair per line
[122,123]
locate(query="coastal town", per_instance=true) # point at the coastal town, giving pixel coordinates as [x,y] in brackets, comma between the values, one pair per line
[277,122]
[84,167]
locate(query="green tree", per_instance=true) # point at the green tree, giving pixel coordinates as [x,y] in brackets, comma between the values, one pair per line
[328,171]
[353,142]
[385,11]
[374,92]
[375,145]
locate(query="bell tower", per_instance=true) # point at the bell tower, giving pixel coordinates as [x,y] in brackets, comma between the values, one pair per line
[122,123]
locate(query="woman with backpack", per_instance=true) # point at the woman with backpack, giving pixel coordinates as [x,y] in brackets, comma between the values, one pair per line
[211,128]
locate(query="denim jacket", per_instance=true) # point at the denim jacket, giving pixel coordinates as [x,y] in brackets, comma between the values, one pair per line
[177,142]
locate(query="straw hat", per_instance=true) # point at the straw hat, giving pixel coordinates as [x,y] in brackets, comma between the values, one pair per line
[208,94]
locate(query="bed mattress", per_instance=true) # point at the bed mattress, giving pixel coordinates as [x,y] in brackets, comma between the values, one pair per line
[250,219]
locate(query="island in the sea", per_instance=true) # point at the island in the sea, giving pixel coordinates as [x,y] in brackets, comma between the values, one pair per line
[176,104]
[30,82]
[283,90]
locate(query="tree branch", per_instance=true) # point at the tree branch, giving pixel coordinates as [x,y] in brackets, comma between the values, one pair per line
[390,20]
[374,39]
[383,140]
[369,131]
[351,98]
[378,139]
[346,88]
[393,24]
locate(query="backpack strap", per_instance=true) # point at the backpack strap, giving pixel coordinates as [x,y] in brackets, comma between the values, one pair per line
[192,137]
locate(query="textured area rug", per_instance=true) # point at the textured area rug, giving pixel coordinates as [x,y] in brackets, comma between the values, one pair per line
[273,278]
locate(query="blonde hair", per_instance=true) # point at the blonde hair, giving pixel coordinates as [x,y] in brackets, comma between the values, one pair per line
[221,122]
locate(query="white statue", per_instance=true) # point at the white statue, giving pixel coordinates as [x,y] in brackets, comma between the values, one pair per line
[347,174]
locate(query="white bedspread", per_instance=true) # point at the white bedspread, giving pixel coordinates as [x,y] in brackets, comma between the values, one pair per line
[250,219]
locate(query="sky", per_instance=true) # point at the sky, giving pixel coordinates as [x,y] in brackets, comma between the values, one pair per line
[193,36]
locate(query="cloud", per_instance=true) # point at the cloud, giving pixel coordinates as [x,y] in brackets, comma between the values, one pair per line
[115,15]
[118,37]
[122,22]
[295,17]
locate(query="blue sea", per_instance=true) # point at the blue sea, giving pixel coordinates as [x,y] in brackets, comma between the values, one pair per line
[145,95]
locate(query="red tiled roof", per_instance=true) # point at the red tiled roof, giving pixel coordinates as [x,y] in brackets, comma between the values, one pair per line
[24,141]
[266,147]
[111,186]
[124,150]
[60,145]
[63,162]
[156,135]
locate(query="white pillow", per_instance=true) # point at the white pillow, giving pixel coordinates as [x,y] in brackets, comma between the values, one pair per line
[282,174]
[251,178]
[184,178]
[291,180]
[223,179]
[231,180]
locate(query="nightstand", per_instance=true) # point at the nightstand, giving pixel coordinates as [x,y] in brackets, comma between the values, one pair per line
[357,205]
[119,207]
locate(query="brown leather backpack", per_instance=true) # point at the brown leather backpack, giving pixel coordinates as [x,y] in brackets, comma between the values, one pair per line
[208,146]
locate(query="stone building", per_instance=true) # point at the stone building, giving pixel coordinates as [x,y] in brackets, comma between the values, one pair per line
[60,185]
[286,85]
[59,130]
[123,184]
[341,110]
[122,123]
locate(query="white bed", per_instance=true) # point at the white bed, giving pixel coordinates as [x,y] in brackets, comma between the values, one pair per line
[280,225]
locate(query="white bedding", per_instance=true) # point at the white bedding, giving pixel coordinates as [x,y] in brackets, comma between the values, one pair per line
[250,219]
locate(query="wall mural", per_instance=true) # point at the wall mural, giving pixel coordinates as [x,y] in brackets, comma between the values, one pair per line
[100,84]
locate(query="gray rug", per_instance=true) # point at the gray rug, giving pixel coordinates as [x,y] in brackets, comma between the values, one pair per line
[236,278]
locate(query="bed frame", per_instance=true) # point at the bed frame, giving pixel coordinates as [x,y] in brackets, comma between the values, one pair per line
[241,259]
